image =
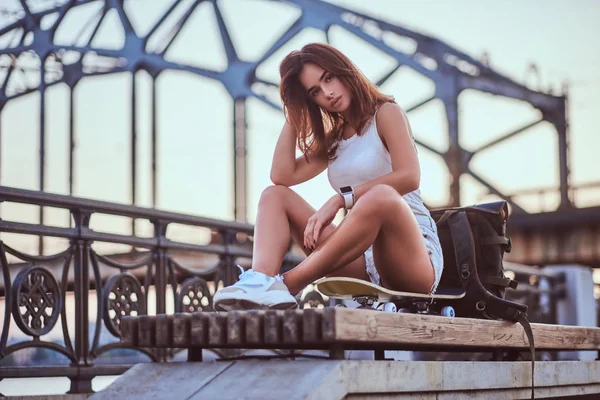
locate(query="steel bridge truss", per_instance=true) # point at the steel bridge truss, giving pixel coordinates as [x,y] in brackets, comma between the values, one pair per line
[33,48]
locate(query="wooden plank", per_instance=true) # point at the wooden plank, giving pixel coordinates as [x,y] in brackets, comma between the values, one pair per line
[368,329]
[129,331]
[272,327]
[328,324]
[311,325]
[254,326]
[164,330]
[235,328]
[199,329]
[377,327]
[564,337]
[292,327]
[181,330]
[146,336]
[217,329]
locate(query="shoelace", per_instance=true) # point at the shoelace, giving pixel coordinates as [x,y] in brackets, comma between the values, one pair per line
[245,274]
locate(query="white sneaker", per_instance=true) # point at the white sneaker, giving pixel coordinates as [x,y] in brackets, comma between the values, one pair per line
[255,290]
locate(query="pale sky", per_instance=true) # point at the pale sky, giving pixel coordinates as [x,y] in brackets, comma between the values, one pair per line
[195,114]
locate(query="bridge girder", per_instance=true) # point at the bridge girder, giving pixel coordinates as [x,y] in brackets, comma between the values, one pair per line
[452,72]
[559,237]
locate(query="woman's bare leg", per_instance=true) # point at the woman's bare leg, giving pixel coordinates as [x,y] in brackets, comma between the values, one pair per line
[283,213]
[380,217]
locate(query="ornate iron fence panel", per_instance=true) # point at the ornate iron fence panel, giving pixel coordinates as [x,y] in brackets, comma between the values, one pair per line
[36,289]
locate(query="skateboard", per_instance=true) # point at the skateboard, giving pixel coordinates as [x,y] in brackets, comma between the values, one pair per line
[372,296]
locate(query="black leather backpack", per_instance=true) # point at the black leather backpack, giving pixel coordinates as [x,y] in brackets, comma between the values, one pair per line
[474,241]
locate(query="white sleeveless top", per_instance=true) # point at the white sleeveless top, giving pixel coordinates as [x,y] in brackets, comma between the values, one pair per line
[363,158]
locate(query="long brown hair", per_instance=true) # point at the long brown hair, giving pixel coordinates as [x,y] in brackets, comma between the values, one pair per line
[319,131]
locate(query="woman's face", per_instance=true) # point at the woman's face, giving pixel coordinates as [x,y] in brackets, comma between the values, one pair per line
[325,89]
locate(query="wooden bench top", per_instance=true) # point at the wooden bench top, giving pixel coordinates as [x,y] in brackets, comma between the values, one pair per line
[350,328]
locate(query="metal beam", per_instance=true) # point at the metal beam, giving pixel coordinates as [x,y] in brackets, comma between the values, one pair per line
[507,88]
[507,136]
[454,156]
[556,219]
[154,147]
[240,162]
[571,244]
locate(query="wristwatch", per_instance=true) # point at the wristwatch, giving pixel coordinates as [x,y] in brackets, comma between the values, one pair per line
[348,193]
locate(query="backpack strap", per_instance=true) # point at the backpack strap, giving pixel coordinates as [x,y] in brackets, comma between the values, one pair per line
[497,241]
[447,214]
[464,246]
[527,328]
[499,281]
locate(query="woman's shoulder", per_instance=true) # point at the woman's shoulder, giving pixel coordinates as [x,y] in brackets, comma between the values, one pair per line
[389,110]
[389,116]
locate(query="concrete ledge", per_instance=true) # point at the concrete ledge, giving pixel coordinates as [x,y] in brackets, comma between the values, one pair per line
[333,379]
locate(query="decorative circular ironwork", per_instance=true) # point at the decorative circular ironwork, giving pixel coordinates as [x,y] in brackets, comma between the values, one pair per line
[194,296]
[312,299]
[218,282]
[122,296]
[38,301]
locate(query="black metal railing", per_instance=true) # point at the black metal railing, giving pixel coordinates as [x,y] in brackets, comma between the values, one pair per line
[36,287]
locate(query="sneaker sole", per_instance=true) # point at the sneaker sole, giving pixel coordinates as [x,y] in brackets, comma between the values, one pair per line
[244,305]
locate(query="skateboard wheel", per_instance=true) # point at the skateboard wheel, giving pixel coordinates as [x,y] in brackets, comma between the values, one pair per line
[404,310]
[448,311]
[389,307]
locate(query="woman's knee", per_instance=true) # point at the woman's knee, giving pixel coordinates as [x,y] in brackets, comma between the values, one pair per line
[379,198]
[275,193]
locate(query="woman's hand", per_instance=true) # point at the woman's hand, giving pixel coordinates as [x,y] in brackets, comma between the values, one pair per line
[319,220]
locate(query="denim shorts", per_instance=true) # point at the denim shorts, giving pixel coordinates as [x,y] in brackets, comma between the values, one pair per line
[432,243]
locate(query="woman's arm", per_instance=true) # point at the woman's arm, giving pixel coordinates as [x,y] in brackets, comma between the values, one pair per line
[394,128]
[286,169]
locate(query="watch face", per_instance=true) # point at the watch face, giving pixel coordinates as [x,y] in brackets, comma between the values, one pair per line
[346,189]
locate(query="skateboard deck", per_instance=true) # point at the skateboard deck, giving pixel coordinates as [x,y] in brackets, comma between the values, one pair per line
[352,288]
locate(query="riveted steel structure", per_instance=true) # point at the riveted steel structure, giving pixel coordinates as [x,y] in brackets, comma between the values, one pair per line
[452,72]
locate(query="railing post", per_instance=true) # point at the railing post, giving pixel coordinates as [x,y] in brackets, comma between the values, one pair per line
[81,293]
[160,279]
[227,258]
